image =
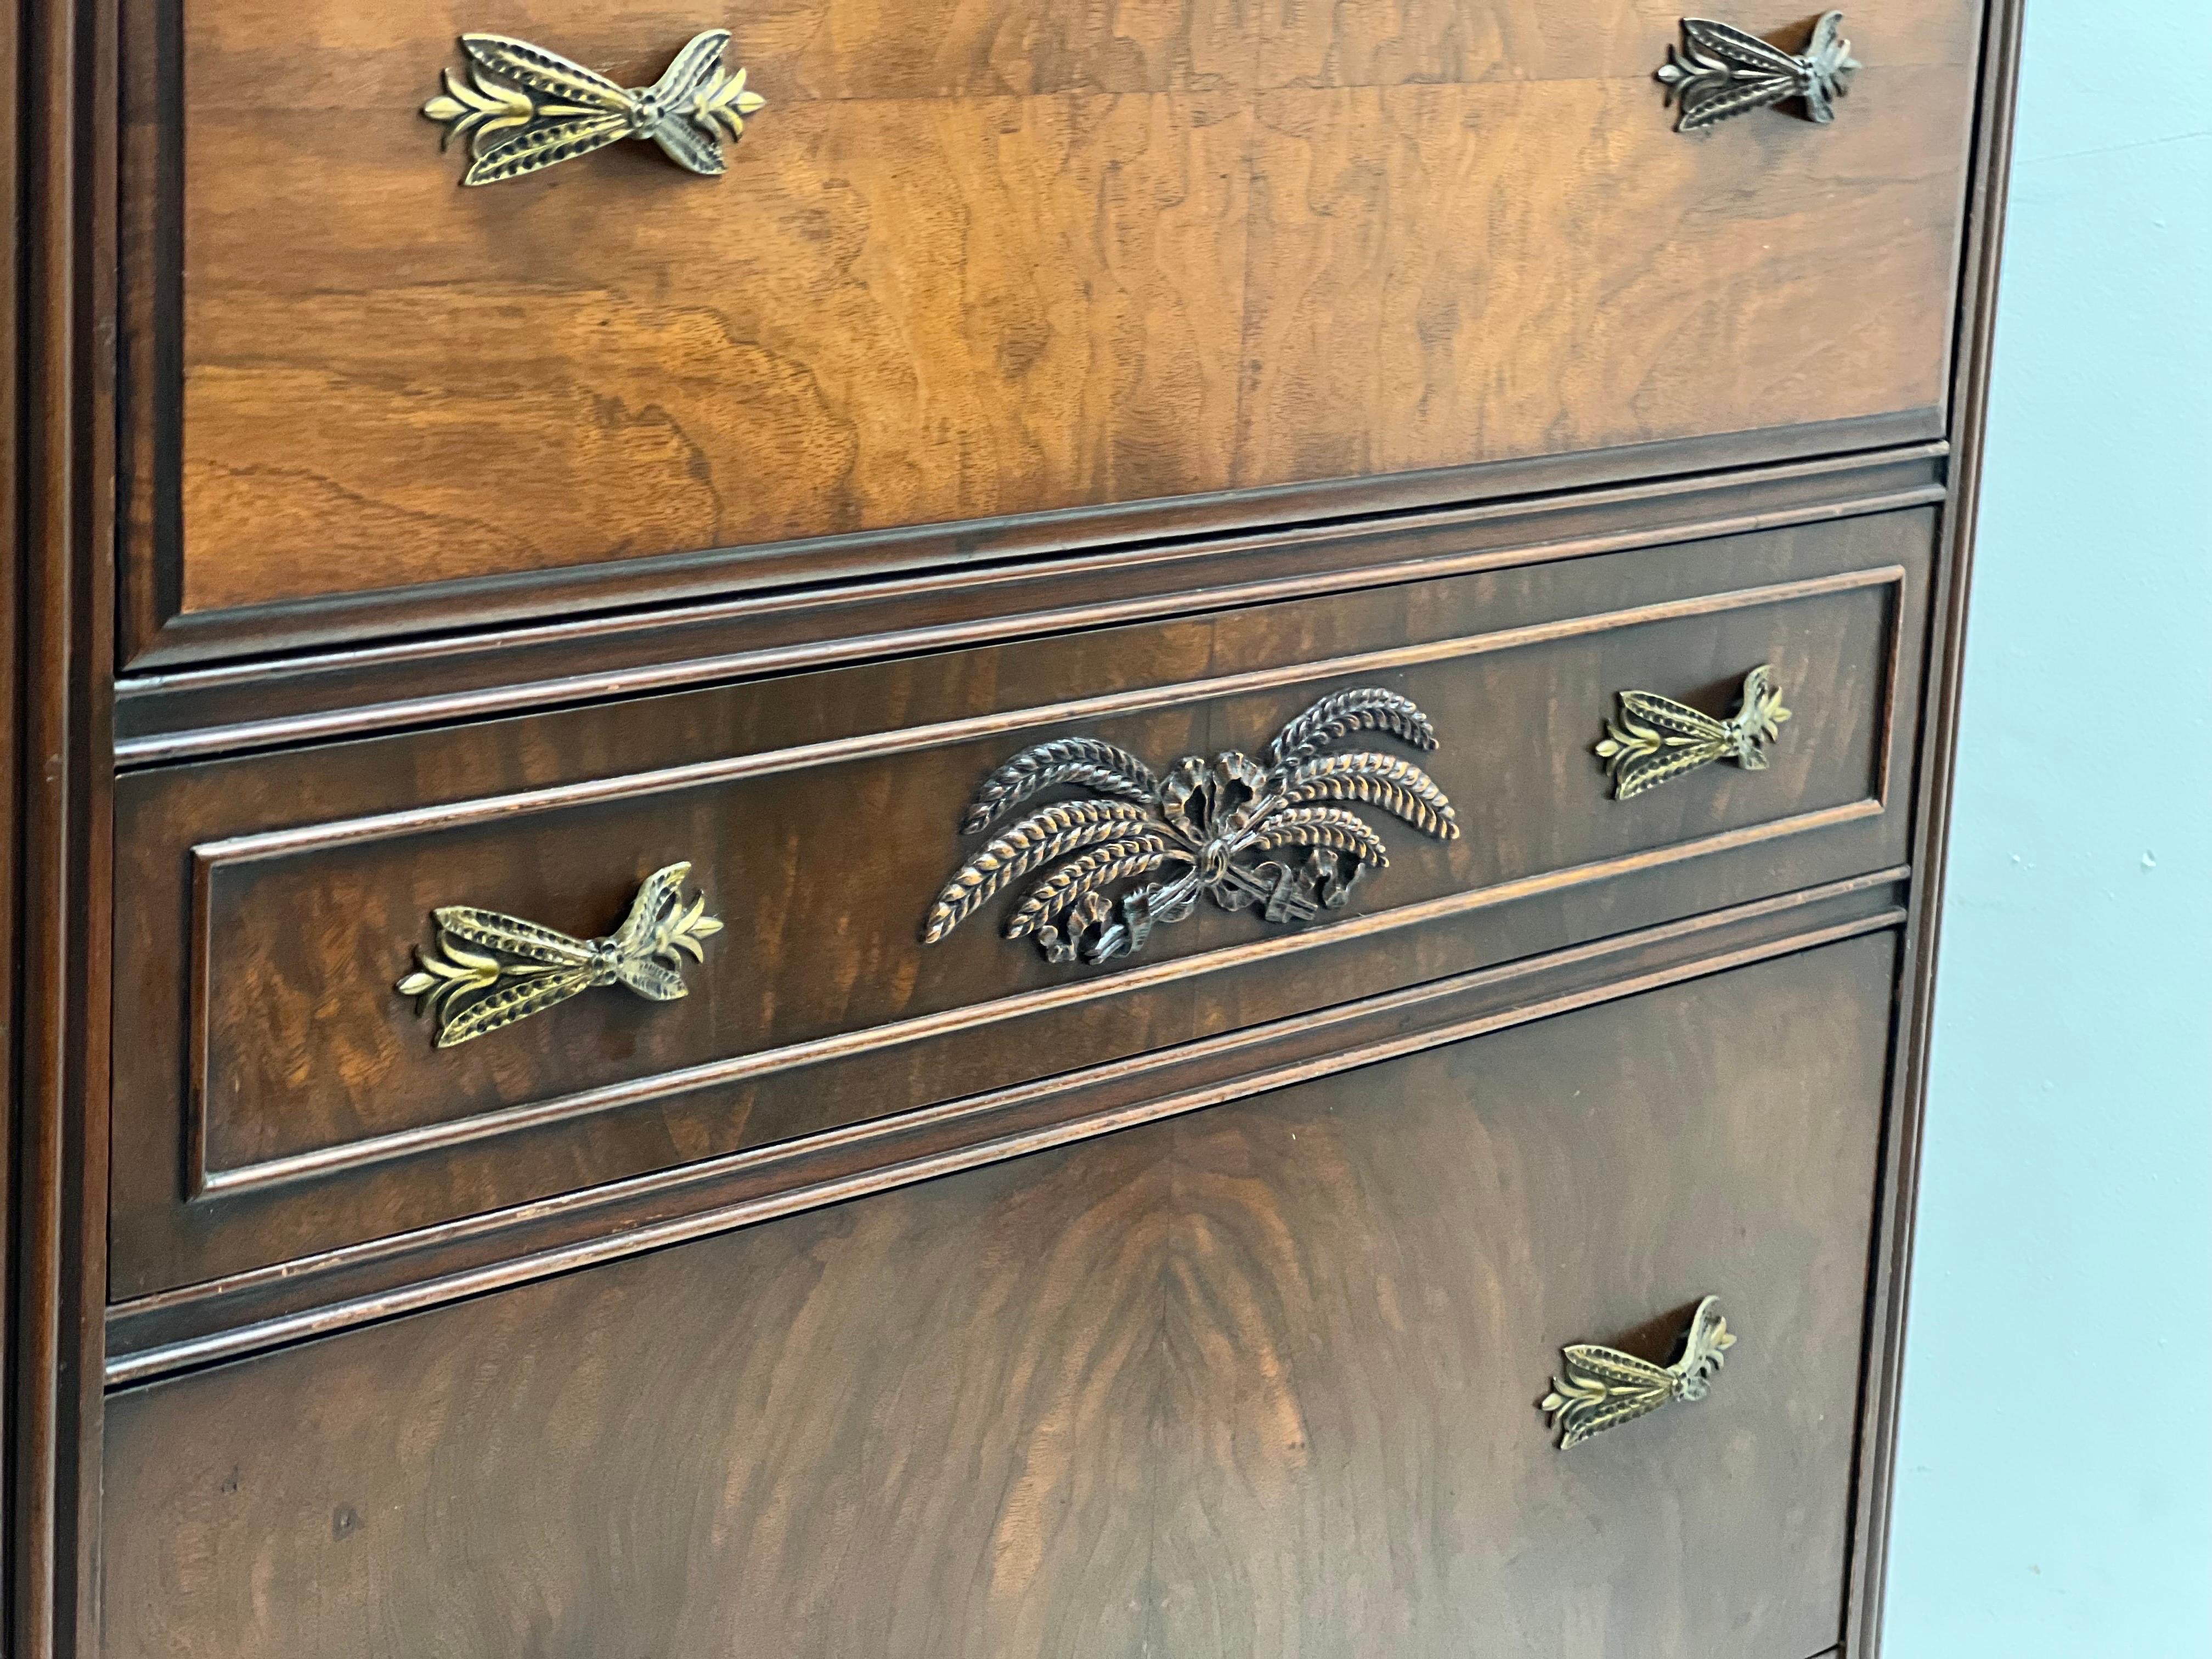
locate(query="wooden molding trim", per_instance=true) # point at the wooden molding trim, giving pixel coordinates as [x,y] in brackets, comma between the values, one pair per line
[907,739]
[407,1143]
[191,712]
[1890,1270]
[158,635]
[59,633]
[60,671]
[202,1324]
[211,860]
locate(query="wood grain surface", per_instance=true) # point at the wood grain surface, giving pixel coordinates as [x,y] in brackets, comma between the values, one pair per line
[1259,1381]
[314,1111]
[513,1555]
[977,261]
[324,688]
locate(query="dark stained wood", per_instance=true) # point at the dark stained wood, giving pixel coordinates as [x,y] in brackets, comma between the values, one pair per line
[819,1005]
[155,1336]
[1384,334]
[14,802]
[99,393]
[869,335]
[1259,1380]
[889,559]
[60,669]
[1876,1474]
[1027,271]
[1425,41]
[192,711]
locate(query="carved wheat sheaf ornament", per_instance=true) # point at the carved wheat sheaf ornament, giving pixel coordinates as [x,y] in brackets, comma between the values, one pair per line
[1720,72]
[1657,740]
[1606,1387]
[491,970]
[524,108]
[1137,850]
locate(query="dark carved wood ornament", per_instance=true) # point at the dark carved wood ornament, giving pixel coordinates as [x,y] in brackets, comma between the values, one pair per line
[536,714]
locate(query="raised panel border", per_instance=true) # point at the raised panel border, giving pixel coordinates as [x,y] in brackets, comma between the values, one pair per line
[171,1331]
[63,651]
[211,860]
[195,712]
[66,570]
[159,636]
[154,633]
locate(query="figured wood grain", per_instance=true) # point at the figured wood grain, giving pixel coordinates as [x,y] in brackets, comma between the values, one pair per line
[198,711]
[153,1336]
[1259,1380]
[818,1004]
[1438,272]
[982,262]
[896,279]
[1414,42]
[65,391]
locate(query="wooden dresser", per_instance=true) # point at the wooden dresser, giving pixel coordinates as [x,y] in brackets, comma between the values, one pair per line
[1128,847]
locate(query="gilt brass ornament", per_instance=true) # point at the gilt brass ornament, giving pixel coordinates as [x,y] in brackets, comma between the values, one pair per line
[1657,740]
[1606,1387]
[524,108]
[1245,833]
[1725,72]
[516,968]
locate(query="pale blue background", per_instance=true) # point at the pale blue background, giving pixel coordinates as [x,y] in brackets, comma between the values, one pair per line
[2055,1474]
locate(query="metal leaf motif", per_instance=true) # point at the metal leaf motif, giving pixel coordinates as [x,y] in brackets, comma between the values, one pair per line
[1143,848]
[1721,72]
[1656,739]
[524,108]
[552,77]
[1605,1387]
[523,968]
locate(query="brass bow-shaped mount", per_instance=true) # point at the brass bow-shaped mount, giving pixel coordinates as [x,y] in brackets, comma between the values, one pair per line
[1606,1387]
[524,108]
[1725,72]
[1657,740]
[491,970]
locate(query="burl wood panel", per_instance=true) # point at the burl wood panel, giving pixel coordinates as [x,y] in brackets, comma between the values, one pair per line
[279,1096]
[1259,1381]
[978,261]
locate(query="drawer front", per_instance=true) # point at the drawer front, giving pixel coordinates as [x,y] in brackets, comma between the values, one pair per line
[969,264]
[1264,1379]
[290,1093]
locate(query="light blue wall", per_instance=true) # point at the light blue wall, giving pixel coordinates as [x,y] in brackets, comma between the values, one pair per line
[2055,1473]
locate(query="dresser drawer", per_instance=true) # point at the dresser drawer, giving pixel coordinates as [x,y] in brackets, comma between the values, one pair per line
[979,265]
[1247,1382]
[337,1066]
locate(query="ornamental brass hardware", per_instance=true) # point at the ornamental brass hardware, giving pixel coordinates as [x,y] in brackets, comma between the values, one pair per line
[524,969]
[1606,1387]
[1212,825]
[1658,739]
[1725,72]
[524,108]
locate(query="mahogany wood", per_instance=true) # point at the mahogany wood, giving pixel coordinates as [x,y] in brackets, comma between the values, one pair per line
[1354,285]
[153,1335]
[595,597]
[1256,1380]
[61,630]
[1909,1073]
[821,815]
[185,712]
[1052,277]
[15,800]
